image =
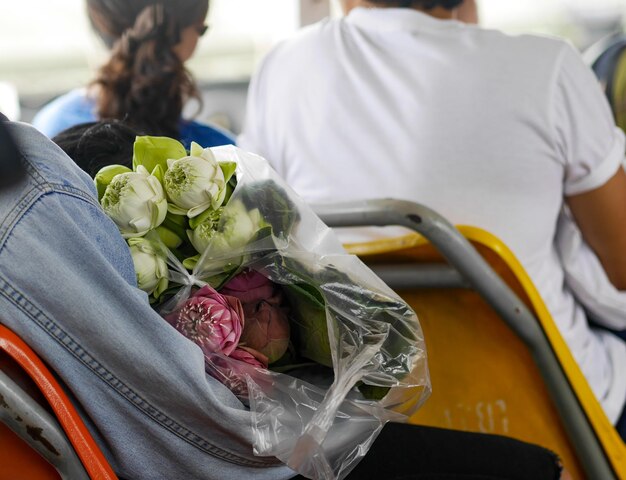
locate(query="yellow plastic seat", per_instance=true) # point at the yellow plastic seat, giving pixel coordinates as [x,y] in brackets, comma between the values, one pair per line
[497,361]
[483,375]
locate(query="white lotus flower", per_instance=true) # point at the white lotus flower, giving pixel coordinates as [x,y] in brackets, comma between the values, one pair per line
[237,229]
[201,236]
[150,266]
[194,183]
[136,202]
[241,224]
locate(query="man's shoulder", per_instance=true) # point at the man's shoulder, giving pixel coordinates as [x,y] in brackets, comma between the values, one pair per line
[308,38]
[50,174]
[540,47]
[50,168]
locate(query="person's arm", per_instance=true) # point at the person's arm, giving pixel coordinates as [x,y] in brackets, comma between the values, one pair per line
[601,217]
[591,149]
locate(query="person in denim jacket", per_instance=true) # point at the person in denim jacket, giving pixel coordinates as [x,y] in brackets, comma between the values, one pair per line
[68,289]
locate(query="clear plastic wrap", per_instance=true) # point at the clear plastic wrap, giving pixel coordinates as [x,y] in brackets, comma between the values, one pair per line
[356,357]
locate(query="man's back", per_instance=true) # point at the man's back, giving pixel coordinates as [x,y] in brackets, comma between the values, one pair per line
[488,129]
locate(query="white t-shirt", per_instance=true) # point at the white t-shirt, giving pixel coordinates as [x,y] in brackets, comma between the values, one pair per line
[488,129]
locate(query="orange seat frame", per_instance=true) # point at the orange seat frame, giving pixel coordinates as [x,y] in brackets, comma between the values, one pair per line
[17,460]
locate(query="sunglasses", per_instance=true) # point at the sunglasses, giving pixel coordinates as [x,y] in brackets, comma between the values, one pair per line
[202,29]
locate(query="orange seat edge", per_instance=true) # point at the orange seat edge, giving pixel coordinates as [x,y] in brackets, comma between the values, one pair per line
[86,448]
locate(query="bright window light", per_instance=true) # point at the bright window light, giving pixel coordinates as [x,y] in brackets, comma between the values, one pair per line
[48,48]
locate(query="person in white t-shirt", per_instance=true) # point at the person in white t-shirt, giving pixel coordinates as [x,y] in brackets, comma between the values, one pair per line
[402,100]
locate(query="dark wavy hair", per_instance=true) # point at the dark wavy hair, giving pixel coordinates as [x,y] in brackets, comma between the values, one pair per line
[94,145]
[425,4]
[144,82]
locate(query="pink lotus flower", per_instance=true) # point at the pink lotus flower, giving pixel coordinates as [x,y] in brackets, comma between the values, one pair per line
[233,373]
[267,327]
[250,356]
[249,286]
[212,320]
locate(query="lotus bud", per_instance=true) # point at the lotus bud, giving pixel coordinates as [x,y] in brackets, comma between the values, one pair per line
[136,202]
[201,236]
[267,327]
[250,356]
[233,374]
[249,286]
[194,183]
[241,224]
[150,266]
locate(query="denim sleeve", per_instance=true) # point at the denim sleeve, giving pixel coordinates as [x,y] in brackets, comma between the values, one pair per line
[156,414]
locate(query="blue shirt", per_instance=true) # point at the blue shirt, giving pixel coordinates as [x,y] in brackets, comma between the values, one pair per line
[67,287]
[78,107]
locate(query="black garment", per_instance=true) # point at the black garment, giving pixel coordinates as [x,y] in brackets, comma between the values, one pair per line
[11,166]
[412,452]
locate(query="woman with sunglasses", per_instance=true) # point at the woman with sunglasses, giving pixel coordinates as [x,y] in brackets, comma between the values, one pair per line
[144,82]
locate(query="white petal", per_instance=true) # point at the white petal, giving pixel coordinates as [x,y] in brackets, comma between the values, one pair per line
[197,210]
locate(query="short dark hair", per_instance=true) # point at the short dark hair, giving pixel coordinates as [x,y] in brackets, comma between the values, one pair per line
[94,145]
[425,4]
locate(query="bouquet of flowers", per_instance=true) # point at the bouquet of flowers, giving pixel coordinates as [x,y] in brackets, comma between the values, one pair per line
[317,346]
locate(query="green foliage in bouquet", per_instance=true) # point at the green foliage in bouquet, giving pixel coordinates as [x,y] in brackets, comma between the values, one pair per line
[377,315]
[309,328]
[274,205]
[175,193]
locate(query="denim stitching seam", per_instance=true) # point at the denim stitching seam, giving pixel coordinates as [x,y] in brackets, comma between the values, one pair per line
[135,399]
[16,213]
[36,188]
[33,196]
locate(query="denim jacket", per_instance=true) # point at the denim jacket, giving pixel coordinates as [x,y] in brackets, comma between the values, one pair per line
[67,287]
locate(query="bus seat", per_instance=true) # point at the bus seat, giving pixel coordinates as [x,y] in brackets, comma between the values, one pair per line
[37,421]
[497,361]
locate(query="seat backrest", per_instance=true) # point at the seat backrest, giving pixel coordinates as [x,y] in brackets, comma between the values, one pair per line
[484,376]
[494,369]
[15,455]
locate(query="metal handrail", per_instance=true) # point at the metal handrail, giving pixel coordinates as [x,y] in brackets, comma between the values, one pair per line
[33,424]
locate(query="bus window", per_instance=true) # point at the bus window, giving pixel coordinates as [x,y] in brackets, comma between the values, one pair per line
[48,47]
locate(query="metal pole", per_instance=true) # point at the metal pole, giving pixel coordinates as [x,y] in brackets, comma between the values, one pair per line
[33,424]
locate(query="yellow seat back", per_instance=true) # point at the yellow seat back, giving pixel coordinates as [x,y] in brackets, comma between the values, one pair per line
[483,375]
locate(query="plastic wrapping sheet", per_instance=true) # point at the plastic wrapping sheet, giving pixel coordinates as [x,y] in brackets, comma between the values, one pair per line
[368,356]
